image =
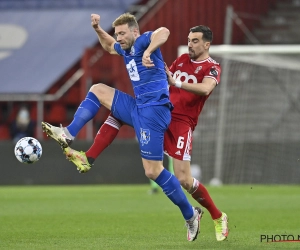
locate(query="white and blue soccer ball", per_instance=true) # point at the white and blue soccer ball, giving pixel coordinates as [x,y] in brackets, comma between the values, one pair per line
[28,150]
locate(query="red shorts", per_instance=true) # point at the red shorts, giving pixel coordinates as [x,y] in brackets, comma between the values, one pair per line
[178,141]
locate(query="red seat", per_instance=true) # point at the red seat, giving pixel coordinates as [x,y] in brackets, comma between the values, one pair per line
[57,114]
[72,96]
[4,132]
[33,112]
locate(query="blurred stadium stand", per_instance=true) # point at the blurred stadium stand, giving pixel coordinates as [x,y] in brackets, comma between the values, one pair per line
[63,4]
[52,54]
[52,39]
[41,46]
[281,24]
[52,57]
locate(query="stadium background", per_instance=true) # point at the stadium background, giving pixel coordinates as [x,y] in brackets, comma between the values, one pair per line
[73,58]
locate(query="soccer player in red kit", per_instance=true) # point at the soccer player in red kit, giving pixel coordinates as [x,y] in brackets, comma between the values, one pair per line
[192,78]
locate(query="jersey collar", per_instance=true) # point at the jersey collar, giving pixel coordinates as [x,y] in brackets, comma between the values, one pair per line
[205,60]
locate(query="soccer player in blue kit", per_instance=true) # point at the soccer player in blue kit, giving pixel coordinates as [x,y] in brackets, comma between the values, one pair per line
[149,113]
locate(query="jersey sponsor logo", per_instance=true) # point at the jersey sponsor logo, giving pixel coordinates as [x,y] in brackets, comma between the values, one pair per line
[213,71]
[145,136]
[178,153]
[184,77]
[132,51]
[180,64]
[198,69]
[133,71]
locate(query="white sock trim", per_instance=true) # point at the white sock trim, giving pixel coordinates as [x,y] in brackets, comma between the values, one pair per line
[113,122]
[195,186]
[68,134]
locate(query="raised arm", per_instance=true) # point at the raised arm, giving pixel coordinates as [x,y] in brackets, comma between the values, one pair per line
[106,40]
[158,38]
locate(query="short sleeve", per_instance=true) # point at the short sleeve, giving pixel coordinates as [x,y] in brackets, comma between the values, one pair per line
[214,72]
[118,48]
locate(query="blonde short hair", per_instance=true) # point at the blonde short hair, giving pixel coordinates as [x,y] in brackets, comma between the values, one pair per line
[126,18]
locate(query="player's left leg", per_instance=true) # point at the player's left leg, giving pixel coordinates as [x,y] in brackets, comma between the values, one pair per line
[178,144]
[171,187]
[150,124]
[154,187]
[202,196]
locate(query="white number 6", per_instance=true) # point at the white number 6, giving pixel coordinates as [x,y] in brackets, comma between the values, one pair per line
[180,142]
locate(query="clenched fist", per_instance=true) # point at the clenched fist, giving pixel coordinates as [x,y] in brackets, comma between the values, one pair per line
[95,18]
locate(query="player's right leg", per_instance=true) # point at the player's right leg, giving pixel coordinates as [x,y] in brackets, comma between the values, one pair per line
[121,107]
[78,158]
[99,94]
[105,136]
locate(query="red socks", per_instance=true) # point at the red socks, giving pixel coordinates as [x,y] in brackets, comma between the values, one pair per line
[202,196]
[105,136]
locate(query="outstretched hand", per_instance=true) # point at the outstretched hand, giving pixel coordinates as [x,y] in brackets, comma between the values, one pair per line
[95,20]
[171,80]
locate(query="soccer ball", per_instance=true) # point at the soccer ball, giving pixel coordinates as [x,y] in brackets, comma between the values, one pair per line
[28,150]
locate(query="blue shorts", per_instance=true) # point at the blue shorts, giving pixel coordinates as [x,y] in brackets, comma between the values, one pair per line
[149,123]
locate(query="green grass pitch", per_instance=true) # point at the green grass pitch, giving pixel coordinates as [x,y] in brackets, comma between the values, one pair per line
[127,217]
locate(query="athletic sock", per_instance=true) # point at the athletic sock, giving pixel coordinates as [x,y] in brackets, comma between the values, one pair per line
[201,195]
[171,187]
[105,136]
[85,112]
[153,184]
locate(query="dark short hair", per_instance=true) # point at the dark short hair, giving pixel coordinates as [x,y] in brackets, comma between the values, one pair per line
[207,33]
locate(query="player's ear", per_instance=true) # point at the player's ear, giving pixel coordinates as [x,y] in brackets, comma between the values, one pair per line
[133,29]
[206,45]
[136,32]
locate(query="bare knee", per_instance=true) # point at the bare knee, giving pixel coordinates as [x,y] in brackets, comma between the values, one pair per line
[183,173]
[98,89]
[104,93]
[152,168]
[185,182]
[150,173]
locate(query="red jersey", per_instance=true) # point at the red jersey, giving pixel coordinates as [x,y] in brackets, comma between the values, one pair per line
[187,106]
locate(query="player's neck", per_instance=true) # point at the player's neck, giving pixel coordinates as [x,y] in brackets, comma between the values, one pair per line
[202,57]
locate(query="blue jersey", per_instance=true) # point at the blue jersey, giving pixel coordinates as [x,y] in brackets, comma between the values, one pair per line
[150,85]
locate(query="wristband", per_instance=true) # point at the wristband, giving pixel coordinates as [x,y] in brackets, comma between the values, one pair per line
[178,83]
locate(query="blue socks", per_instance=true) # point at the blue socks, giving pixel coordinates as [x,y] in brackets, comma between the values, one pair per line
[172,189]
[85,112]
